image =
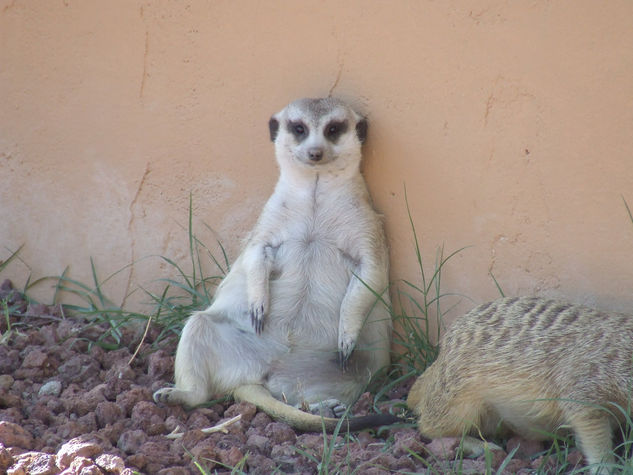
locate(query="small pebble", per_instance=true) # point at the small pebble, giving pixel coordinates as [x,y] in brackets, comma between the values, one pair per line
[52,388]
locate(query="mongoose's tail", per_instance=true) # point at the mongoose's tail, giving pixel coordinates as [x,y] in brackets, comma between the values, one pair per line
[259,396]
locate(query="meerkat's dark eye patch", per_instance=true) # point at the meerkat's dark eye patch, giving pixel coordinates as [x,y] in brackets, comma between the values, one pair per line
[334,130]
[273,127]
[298,129]
[361,130]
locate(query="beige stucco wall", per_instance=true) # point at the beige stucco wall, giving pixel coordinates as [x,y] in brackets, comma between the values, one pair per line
[510,123]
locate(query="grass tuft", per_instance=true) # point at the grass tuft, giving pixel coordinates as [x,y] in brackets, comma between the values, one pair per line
[419,310]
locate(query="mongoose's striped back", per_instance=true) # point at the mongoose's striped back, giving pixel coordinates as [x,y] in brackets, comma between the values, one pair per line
[530,365]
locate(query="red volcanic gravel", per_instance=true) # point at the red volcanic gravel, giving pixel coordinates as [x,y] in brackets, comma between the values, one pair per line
[71,407]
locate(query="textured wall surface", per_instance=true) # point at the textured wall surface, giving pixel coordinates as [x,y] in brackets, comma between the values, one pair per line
[510,123]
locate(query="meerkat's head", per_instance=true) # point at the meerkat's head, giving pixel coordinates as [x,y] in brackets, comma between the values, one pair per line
[321,134]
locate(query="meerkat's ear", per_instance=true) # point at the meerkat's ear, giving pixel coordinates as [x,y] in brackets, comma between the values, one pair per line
[361,129]
[273,126]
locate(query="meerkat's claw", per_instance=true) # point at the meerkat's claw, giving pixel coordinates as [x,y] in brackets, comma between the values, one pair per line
[342,360]
[162,395]
[257,318]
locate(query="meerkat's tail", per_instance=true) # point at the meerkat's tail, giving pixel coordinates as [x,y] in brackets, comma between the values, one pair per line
[259,396]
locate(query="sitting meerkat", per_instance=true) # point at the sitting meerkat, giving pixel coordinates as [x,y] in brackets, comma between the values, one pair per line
[530,366]
[297,320]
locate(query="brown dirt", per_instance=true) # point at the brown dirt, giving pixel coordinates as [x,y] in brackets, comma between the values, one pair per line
[70,407]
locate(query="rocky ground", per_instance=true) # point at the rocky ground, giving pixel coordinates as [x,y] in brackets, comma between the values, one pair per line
[68,406]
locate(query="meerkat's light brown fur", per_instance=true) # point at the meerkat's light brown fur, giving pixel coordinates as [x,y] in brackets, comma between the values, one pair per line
[530,366]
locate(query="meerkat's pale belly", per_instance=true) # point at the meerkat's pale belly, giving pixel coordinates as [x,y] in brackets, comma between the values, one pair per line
[309,280]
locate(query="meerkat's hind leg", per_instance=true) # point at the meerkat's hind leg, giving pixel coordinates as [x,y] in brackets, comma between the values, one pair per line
[215,356]
[593,434]
[293,378]
[186,397]
[323,407]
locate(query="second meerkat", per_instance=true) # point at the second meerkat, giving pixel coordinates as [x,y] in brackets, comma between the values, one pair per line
[298,316]
[531,366]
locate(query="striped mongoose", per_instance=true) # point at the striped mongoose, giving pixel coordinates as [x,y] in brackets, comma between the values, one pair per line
[530,366]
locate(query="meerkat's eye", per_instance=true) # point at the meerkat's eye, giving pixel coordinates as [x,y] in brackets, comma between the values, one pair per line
[334,130]
[298,129]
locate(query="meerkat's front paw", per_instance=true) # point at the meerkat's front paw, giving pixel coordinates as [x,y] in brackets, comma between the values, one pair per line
[346,346]
[257,312]
[163,395]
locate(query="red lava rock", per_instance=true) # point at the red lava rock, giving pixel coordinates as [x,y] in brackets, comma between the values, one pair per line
[312,443]
[36,463]
[285,457]
[131,441]
[83,466]
[261,420]
[71,429]
[110,463]
[443,448]
[575,458]
[198,420]
[78,368]
[106,404]
[259,443]
[35,359]
[247,410]
[172,422]
[108,412]
[137,460]
[38,309]
[543,464]
[145,414]
[43,413]
[6,460]
[205,449]
[472,466]
[192,437]
[75,448]
[497,457]
[12,435]
[121,370]
[407,441]
[35,365]
[6,380]
[362,407]
[10,400]
[516,465]
[230,457]
[280,432]
[384,460]
[158,455]
[160,365]
[112,432]
[174,471]
[128,399]
[48,334]
[261,465]
[526,447]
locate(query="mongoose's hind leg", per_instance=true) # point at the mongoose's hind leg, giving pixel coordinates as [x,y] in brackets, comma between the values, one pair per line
[593,433]
[214,357]
[293,378]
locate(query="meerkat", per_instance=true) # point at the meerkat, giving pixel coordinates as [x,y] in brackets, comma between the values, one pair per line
[302,317]
[530,366]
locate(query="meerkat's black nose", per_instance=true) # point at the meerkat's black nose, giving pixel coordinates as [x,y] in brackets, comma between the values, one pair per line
[315,154]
